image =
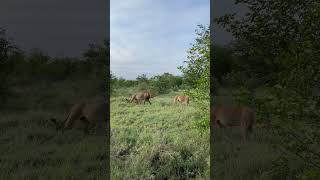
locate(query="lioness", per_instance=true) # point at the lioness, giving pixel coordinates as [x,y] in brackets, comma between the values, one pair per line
[234,116]
[181,99]
[140,96]
[84,114]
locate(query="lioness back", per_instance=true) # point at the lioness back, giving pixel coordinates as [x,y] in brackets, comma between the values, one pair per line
[181,99]
[94,113]
[234,116]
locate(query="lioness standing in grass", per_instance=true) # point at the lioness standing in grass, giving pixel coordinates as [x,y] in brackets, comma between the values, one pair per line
[84,114]
[234,116]
[140,96]
[181,99]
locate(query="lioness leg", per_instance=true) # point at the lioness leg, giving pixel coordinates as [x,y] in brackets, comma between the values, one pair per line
[144,101]
[74,114]
[86,124]
[133,98]
[174,100]
[244,134]
[223,129]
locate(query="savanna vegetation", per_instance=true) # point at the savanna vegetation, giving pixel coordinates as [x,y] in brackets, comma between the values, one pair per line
[163,140]
[273,67]
[36,87]
[157,141]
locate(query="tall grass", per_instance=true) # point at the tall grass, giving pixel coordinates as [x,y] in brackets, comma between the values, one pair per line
[157,140]
[30,146]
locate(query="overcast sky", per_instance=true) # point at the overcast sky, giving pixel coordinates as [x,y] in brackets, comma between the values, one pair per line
[152,37]
[58,27]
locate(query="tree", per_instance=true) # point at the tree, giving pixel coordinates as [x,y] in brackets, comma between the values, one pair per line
[37,61]
[142,78]
[198,57]
[165,82]
[7,48]
[97,53]
[223,61]
[271,29]
[283,36]
[196,72]
[96,59]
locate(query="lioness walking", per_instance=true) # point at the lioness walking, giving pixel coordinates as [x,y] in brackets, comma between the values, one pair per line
[84,114]
[234,116]
[140,96]
[181,99]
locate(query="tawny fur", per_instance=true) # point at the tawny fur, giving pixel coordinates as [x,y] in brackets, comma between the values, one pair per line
[83,114]
[234,116]
[181,99]
[139,97]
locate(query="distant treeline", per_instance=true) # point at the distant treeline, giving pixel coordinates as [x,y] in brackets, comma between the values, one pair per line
[18,67]
[159,84]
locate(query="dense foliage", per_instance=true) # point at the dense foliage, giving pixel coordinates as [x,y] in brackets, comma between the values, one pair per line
[196,73]
[277,49]
[21,68]
[38,87]
[158,84]
[7,49]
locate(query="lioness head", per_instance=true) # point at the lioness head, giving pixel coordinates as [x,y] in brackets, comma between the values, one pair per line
[83,115]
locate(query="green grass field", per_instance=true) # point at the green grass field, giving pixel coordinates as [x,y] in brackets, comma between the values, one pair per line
[157,141]
[30,146]
[249,161]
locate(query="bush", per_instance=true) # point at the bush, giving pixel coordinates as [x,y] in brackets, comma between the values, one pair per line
[7,49]
[196,74]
